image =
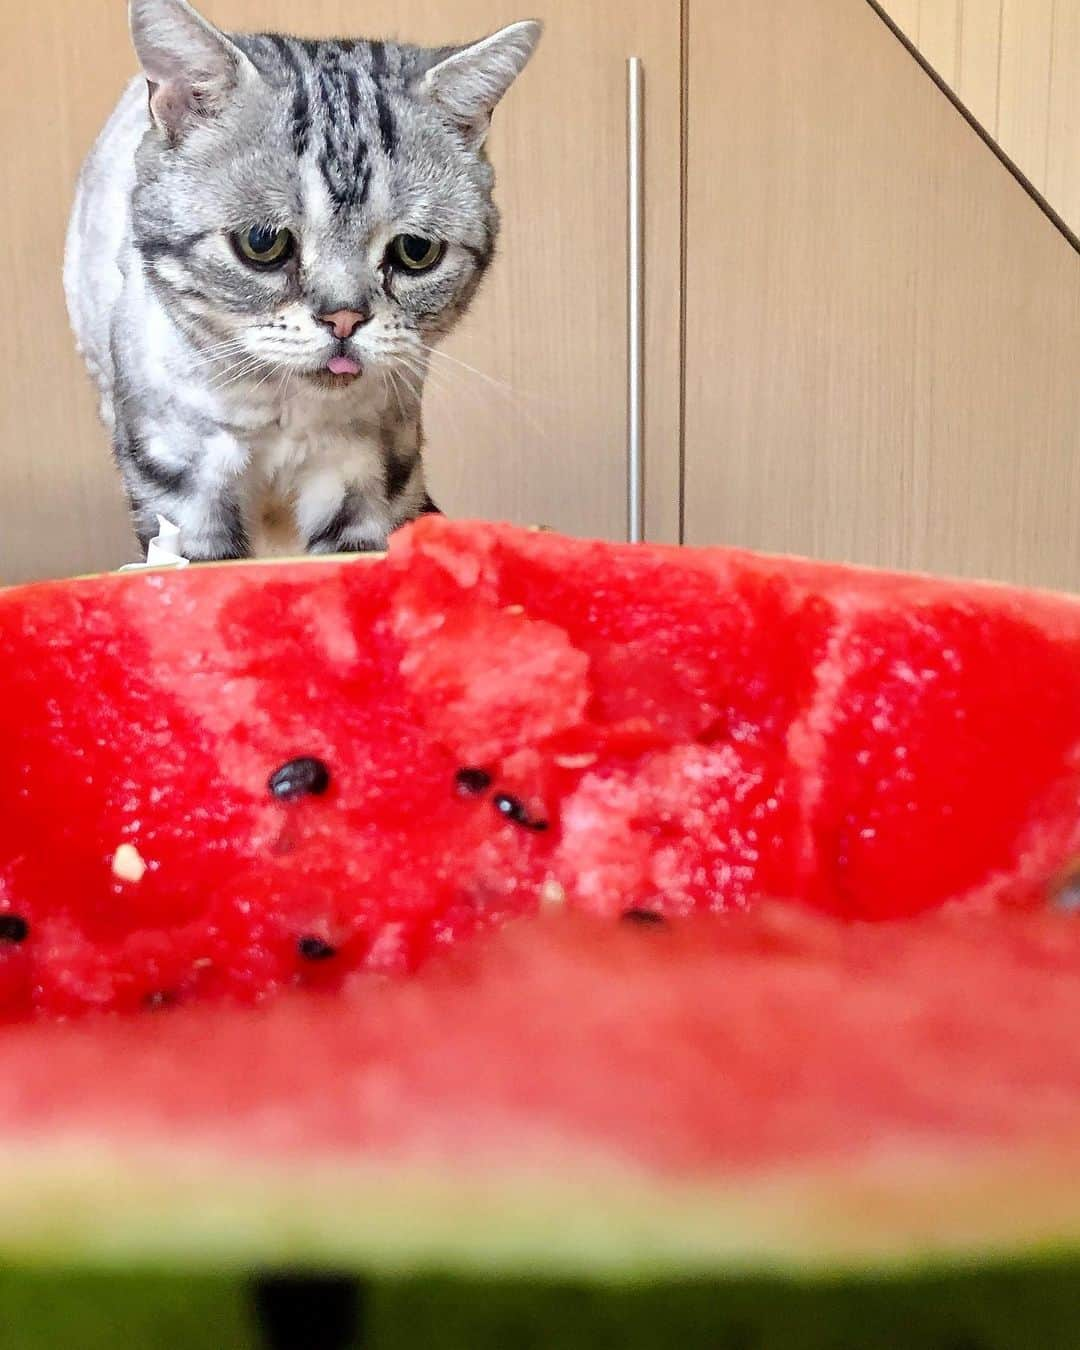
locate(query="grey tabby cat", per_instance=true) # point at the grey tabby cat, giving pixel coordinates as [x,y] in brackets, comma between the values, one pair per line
[259,261]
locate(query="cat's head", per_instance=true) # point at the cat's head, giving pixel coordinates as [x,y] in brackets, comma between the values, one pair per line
[318,207]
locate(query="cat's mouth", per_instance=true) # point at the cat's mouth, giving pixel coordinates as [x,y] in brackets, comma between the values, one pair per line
[338,373]
[344,365]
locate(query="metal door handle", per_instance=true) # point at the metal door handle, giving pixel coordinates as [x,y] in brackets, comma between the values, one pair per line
[635,400]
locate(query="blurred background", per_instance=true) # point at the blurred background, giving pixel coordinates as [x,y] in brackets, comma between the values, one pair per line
[862,329]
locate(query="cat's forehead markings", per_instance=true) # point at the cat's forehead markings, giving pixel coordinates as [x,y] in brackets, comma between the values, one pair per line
[317,206]
[380,202]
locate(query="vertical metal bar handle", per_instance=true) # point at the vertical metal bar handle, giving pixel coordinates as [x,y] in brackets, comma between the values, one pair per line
[635,401]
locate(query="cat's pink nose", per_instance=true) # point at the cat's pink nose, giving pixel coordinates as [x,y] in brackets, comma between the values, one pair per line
[344,322]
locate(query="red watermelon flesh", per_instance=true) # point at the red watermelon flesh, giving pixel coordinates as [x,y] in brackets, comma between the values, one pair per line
[668,730]
[547,1028]
[773,1088]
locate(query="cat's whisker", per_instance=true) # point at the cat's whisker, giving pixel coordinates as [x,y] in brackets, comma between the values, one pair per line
[239,359]
[219,352]
[448,381]
[229,379]
[397,394]
[438,354]
[441,385]
[408,363]
[282,391]
[210,368]
[413,367]
[410,355]
[274,370]
[211,355]
[425,375]
[246,368]
[210,361]
[455,389]
[504,390]
[413,390]
[208,348]
[453,382]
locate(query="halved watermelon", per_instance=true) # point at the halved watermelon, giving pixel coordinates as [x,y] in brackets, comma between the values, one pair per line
[275,786]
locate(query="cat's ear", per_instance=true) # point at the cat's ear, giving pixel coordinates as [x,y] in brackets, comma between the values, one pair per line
[190,66]
[468,85]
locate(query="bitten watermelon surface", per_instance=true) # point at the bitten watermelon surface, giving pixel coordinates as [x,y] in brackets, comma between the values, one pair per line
[737,897]
[502,720]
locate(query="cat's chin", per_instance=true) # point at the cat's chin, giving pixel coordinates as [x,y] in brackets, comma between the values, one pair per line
[327,379]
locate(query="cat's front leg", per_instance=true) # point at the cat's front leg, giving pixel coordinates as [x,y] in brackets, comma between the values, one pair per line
[351,503]
[338,513]
[193,481]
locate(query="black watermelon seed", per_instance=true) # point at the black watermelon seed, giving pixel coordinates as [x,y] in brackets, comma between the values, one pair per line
[512,808]
[162,999]
[13,928]
[646,918]
[315,949]
[300,778]
[472,782]
[515,810]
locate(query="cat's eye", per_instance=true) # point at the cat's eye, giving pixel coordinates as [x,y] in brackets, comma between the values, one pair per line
[415,253]
[265,246]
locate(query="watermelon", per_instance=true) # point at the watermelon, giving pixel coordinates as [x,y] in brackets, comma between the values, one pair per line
[735,896]
[774,1129]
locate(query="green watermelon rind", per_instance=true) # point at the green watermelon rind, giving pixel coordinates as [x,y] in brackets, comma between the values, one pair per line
[1000,1307]
[87,1205]
[166,1252]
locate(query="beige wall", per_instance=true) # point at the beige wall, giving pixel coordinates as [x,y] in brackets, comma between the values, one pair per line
[1016,65]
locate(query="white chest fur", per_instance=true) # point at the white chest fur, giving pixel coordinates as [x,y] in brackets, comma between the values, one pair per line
[321,443]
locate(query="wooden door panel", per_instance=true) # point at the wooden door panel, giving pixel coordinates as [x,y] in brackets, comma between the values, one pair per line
[883,328]
[1015,64]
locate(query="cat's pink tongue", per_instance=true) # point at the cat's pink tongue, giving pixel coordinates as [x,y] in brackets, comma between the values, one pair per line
[342,365]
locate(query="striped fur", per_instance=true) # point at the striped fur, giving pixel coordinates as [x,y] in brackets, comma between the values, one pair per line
[213,373]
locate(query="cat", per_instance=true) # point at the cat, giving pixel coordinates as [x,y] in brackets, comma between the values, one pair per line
[267,240]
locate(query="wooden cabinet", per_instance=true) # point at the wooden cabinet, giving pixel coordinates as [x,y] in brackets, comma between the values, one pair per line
[1016,67]
[883,330]
[540,433]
